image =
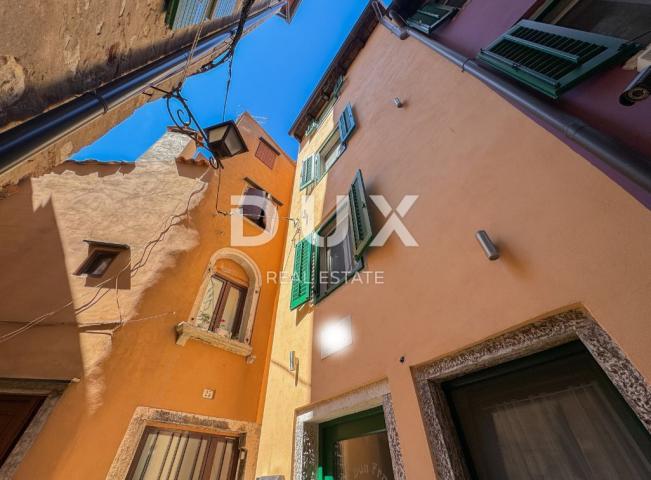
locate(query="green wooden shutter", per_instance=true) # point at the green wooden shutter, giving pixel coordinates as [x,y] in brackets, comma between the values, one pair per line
[430,16]
[307,172]
[553,59]
[362,232]
[338,86]
[302,277]
[346,123]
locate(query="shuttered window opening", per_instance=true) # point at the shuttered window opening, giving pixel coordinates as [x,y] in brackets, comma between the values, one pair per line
[302,275]
[553,59]
[362,232]
[181,455]
[615,18]
[347,123]
[266,153]
[324,263]
[16,413]
[309,169]
[183,13]
[334,258]
[430,16]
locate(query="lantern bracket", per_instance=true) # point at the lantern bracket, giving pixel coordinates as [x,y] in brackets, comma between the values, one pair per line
[185,121]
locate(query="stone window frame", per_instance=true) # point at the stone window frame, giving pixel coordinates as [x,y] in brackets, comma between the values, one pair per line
[544,334]
[52,390]
[308,418]
[242,345]
[248,433]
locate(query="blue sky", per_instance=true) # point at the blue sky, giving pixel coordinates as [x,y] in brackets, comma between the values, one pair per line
[275,70]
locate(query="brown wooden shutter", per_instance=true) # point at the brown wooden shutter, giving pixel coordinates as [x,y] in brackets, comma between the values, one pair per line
[266,154]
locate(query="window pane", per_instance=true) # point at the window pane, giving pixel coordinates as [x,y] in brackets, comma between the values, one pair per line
[164,444]
[255,213]
[553,415]
[364,458]
[190,457]
[175,454]
[16,412]
[209,303]
[336,259]
[100,263]
[617,18]
[566,435]
[229,315]
[329,151]
[223,460]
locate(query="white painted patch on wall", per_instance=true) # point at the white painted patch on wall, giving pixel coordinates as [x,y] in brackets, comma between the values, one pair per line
[335,335]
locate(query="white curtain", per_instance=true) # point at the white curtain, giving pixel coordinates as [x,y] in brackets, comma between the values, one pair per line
[567,435]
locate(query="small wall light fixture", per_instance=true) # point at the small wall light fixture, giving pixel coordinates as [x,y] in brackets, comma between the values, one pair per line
[398,102]
[490,249]
[292,361]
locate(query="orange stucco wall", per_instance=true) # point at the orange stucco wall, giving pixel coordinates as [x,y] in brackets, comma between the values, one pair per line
[139,363]
[568,236]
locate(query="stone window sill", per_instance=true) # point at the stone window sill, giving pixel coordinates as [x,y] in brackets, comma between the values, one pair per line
[186,331]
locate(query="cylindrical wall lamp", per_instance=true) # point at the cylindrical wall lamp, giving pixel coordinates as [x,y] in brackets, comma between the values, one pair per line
[490,249]
[292,361]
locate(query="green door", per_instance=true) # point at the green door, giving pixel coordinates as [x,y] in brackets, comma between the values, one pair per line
[355,447]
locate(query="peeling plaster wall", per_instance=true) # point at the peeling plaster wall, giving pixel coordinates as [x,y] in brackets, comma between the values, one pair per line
[53,51]
[45,221]
[57,49]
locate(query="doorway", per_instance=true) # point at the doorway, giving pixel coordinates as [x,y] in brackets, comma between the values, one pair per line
[355,447]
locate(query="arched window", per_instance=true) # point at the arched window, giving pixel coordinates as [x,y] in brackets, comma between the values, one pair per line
[222,307]
[224,311]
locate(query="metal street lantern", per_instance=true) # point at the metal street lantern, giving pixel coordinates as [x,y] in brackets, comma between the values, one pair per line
[225,140]
[222,140]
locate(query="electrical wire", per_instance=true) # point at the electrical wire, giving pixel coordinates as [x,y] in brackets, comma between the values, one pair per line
[193,48]
[244,13]
[144,258]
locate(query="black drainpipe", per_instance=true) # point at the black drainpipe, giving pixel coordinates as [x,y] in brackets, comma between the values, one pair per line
[629,162]
[36,134]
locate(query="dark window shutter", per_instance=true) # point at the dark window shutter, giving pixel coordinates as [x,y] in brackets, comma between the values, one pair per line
[346,123]
[362,233]
[553,59]
[266,153]
[430,16]
[307,172]
[302,277]
[16,412]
